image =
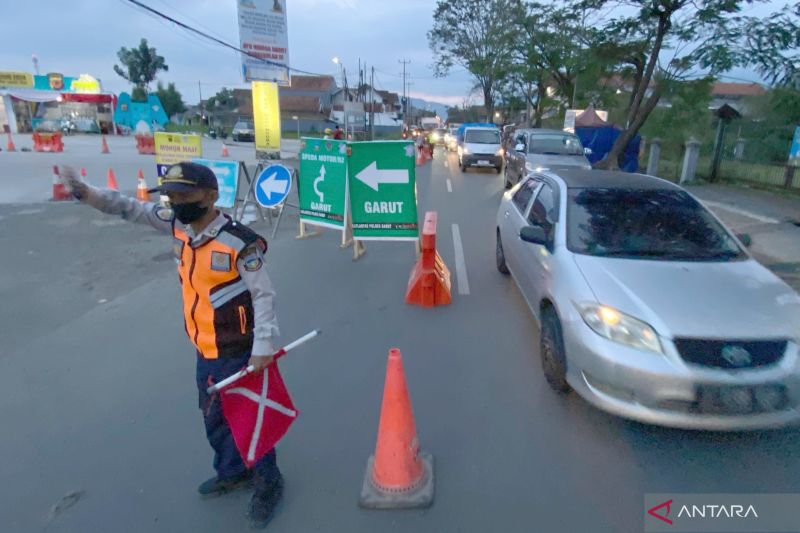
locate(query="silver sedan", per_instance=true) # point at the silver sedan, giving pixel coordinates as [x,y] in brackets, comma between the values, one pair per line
[649,308]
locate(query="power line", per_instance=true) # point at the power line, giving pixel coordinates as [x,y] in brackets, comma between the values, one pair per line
[215,39]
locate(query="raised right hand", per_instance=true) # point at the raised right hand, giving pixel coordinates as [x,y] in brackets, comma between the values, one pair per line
[79,189]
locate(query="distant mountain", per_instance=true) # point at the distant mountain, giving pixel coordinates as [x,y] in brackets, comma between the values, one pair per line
[439,109]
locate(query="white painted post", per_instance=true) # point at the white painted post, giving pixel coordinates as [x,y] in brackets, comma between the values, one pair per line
[690,161]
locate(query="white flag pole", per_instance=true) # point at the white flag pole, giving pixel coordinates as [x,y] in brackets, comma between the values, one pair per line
[277,355]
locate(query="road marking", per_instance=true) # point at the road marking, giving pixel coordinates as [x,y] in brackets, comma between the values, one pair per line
[461,264]
[749,214]
[449,185]
[446,164]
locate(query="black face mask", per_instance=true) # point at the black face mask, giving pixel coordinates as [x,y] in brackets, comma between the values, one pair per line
[186,213]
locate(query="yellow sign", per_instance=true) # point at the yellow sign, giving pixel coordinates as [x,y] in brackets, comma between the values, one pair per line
[86,84]
[173,148]
[266,117]
[16,79]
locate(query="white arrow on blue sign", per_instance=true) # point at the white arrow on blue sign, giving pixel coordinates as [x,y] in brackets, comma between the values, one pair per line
[272,185]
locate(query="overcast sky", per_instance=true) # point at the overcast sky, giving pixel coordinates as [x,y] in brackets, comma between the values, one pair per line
[83,36]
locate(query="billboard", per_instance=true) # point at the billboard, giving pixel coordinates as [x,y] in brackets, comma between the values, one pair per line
[263,34]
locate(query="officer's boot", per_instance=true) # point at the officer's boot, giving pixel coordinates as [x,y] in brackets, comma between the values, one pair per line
[265,500]
[211,488]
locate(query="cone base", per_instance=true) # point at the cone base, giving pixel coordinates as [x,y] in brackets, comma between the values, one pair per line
[375,498]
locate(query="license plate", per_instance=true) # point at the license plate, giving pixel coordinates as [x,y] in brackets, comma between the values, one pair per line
[715,399]
[483,162]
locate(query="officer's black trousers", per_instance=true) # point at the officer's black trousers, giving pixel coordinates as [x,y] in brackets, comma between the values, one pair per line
[227,461]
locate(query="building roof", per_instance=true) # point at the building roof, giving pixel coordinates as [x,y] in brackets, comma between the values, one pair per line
[610,179]
[722,88]
[300,103]
[389,97]
[313,83]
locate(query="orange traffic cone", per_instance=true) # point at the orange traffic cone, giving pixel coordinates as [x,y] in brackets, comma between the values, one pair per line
[105,149]
[420,157]
[60,192]
[83,175]
[225,151]
[111,181]
[141,189]
[10,146]
[398,475]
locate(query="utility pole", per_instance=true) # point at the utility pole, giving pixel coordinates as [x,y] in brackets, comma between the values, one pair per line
[408,98]
[372,104]
[405,95]
[200,90]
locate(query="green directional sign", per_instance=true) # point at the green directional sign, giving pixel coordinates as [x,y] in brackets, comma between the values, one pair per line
[322,182]
[383,194]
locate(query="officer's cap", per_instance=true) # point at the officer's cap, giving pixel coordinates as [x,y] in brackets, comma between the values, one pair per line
[186,176]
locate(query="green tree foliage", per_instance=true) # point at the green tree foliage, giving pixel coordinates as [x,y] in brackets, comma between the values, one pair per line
[140,65]
[171,99]
[769,129]
[477,35]
[666,40]
[224,100]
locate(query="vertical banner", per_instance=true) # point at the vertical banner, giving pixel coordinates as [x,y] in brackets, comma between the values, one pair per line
[263,34]
[322,182]
[266,119]
[794,151]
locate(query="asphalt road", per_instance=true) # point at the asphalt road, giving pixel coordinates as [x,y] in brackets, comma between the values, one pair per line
[99,410]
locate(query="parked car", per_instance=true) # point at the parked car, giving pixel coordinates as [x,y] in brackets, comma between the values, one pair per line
[536,149]
[243,130]
[648,307]
[479,145]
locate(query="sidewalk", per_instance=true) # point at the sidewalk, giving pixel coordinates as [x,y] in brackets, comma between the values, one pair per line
[772,220]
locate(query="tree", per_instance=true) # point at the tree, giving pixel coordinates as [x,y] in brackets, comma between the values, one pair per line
[140,66]
[171,99]
[478,35]
[224,100]
[711,36]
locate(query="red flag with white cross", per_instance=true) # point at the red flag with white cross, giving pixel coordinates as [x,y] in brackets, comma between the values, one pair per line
[259,412]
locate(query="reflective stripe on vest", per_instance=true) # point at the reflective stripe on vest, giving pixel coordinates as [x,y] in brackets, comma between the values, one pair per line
[217,307]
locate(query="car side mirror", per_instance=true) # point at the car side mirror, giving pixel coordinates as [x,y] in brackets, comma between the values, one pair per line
[587,151]
[533,235]
[745,239]
[520,147]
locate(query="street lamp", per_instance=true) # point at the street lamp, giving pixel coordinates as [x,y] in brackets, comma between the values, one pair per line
[295,117]
[345,94]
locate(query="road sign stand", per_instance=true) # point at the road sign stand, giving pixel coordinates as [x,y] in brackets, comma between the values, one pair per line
[248,192]
[358,249]
[307,235]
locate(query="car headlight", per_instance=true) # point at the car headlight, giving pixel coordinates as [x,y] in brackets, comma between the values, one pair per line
[619,327]
[435,136]
[499,152]
[465,150]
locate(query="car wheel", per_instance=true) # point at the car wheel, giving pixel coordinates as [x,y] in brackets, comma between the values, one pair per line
[462,165]
[500,256]
[551,351]
[498,169]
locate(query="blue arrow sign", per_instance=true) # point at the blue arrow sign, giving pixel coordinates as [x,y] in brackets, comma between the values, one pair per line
[272,185]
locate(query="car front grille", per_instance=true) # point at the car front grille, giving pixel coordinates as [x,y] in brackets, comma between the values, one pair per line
[731,354]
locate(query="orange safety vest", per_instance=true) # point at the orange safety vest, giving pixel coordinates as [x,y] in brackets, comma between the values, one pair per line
[217,306]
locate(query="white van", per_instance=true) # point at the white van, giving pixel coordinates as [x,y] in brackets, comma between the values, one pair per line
[480,146]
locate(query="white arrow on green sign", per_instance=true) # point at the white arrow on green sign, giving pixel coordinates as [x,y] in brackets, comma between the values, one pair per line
[383,198]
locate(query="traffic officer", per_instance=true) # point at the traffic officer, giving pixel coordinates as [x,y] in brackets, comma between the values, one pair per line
[228,307]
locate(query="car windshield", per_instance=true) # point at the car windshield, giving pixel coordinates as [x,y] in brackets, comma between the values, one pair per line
[441,131]
[486,136]
[666,225]
[554,144]
[244,125]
